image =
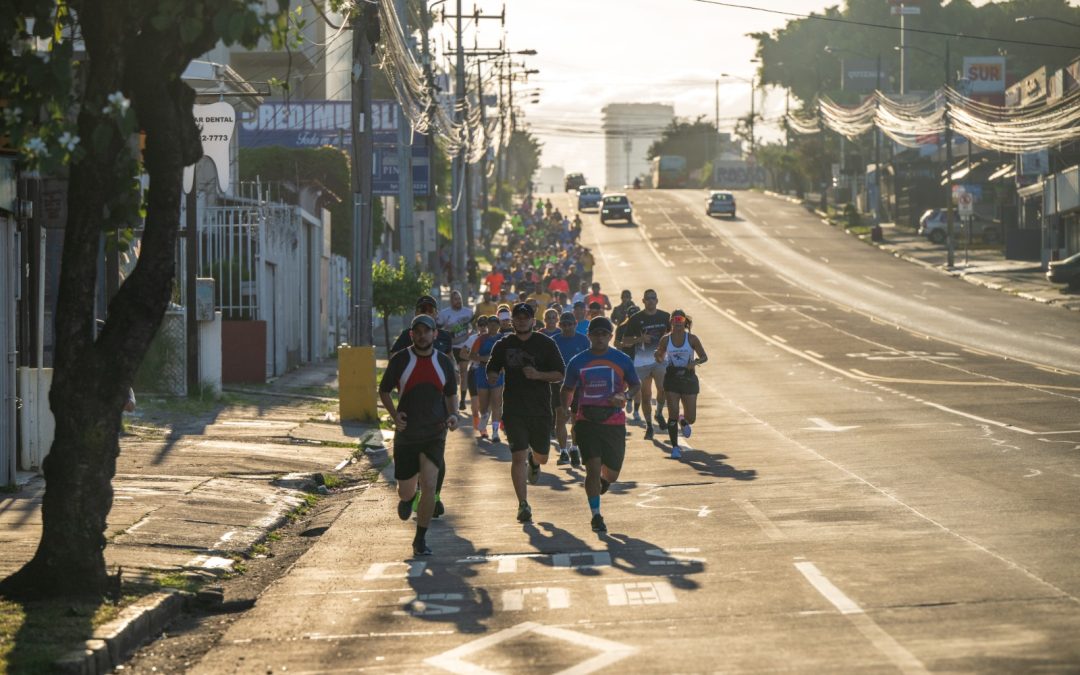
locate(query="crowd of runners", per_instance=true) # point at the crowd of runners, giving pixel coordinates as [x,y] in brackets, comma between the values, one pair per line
[533,358]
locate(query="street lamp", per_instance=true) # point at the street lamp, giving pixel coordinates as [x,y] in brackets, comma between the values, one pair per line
[753,87]
[1022,19]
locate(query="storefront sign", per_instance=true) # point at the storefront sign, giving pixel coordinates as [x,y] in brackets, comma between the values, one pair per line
[985,74]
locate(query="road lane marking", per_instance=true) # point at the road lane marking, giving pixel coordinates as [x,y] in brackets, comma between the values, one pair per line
[779,339]
[1034,473]
[760,519]
[824,425]
[659,256]
[1003,323]
[592,559]
[513,600]
[814,354]
[823,259]
[610,651]
[640,593]
[1053,335]
[673,556]
[885,643]
[393,570]
[701,511]
[879,282]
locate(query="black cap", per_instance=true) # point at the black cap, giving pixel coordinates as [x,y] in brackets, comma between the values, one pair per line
[426,300]
[595,305]
[579,303]
[567,317]
[523,308]
[601,323]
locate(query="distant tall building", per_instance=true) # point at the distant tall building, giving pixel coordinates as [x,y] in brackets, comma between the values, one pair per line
[629,130]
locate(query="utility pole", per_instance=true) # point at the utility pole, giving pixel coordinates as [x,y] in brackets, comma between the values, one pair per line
[483,160]
[360,287]
[459,197]
[405,172]
[903,51]
[500,161]
[951,257]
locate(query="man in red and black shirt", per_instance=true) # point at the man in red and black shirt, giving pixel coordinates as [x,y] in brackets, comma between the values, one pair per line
[427,390]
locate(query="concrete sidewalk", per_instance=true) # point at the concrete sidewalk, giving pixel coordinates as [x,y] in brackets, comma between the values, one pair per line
[198,485]
[982,266]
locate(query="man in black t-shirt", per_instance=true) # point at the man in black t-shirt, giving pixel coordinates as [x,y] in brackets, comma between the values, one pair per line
[643,331]
[532,363]
[427,386]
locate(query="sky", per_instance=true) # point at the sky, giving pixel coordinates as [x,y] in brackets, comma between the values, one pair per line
[594,52]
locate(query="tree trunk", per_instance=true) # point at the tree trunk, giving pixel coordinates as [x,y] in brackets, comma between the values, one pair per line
[91,378]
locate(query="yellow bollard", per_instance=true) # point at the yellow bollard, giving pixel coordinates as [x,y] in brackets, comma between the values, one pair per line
[356,384]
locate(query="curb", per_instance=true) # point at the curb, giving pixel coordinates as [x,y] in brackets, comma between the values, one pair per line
[112,642]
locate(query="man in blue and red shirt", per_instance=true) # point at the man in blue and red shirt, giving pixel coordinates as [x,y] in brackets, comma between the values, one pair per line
[604,379]
[426,409]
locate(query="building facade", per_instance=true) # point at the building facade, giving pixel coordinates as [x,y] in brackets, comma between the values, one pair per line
[629,130]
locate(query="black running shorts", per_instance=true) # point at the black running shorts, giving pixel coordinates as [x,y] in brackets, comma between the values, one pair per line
[471,377]
[407,456]
[681,381]
[523,433]
[606,441]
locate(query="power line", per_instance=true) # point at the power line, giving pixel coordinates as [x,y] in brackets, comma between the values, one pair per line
[868,24]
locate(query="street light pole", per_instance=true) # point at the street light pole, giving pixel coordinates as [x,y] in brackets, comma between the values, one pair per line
[951,254]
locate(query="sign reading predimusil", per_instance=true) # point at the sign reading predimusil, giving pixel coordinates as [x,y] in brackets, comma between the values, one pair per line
[217,123]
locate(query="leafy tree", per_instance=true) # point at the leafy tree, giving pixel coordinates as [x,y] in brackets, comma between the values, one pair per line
[794,56]
[524,159]
[395,289]
[83,116]
[328,165]
[698,141]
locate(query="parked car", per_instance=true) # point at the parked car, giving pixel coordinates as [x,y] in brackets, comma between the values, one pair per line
[933,226]
[720,202]
[574,181]
[588,197]
[1065,271]
[616,206]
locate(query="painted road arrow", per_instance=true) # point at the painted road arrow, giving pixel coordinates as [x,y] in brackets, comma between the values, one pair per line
[825,425]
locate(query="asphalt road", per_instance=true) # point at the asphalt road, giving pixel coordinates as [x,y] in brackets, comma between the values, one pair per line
[883,477]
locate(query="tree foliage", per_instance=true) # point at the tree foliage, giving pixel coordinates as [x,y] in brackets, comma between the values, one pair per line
[524,159]
[79,117]
[794,56]
[698,141]
[395,289]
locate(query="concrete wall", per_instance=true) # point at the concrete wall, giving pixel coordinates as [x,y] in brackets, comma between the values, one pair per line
[210,353]
[36,421]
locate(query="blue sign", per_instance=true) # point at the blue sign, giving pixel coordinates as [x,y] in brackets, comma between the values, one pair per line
[387,172]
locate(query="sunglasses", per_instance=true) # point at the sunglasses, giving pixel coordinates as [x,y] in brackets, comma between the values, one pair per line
[650,297]
[678,319]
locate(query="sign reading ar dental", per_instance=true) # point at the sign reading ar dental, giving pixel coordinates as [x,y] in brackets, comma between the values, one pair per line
[986,74]
[216,122]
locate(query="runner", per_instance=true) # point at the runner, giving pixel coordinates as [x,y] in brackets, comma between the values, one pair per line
[488,393]
[531,361]
[644,330]
[606,379]
[503,316]
[466,353]
[551,323]
[597,297]
[427,391]
[628,349]
[444,342]
[618,315]
[457,320]
[570,344]
[580,317]
[676,352]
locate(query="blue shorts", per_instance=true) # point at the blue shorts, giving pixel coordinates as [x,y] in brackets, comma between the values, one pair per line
[482,381]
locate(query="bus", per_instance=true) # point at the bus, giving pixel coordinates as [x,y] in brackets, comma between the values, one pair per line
[669,171]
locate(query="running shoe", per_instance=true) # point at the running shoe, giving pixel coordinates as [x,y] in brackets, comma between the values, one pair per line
[637,415]
[495,437]
[564,458]
[404,509]
[648,433]
[483,436]
[439,509]
[685,427]
[605,485]
[676,453]
[534,470]
[461,406]
[524,512]
[575,457]
[659,417]
[598,523]
[419,548]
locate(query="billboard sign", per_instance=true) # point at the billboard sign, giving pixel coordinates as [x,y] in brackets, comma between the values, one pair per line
[313,124]
[861,76]
[985,74]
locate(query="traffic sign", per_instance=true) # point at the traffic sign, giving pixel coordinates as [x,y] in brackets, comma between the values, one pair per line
[966,203]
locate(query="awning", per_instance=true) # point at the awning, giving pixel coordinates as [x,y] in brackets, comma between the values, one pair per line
[1034,190]
[1004,171]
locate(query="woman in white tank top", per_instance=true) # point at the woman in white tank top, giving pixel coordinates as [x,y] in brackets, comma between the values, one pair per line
[677,351]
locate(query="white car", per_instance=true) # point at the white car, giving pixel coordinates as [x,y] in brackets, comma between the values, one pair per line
[934,227]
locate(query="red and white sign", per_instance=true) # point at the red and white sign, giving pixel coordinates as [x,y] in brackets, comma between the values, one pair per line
[986,74]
